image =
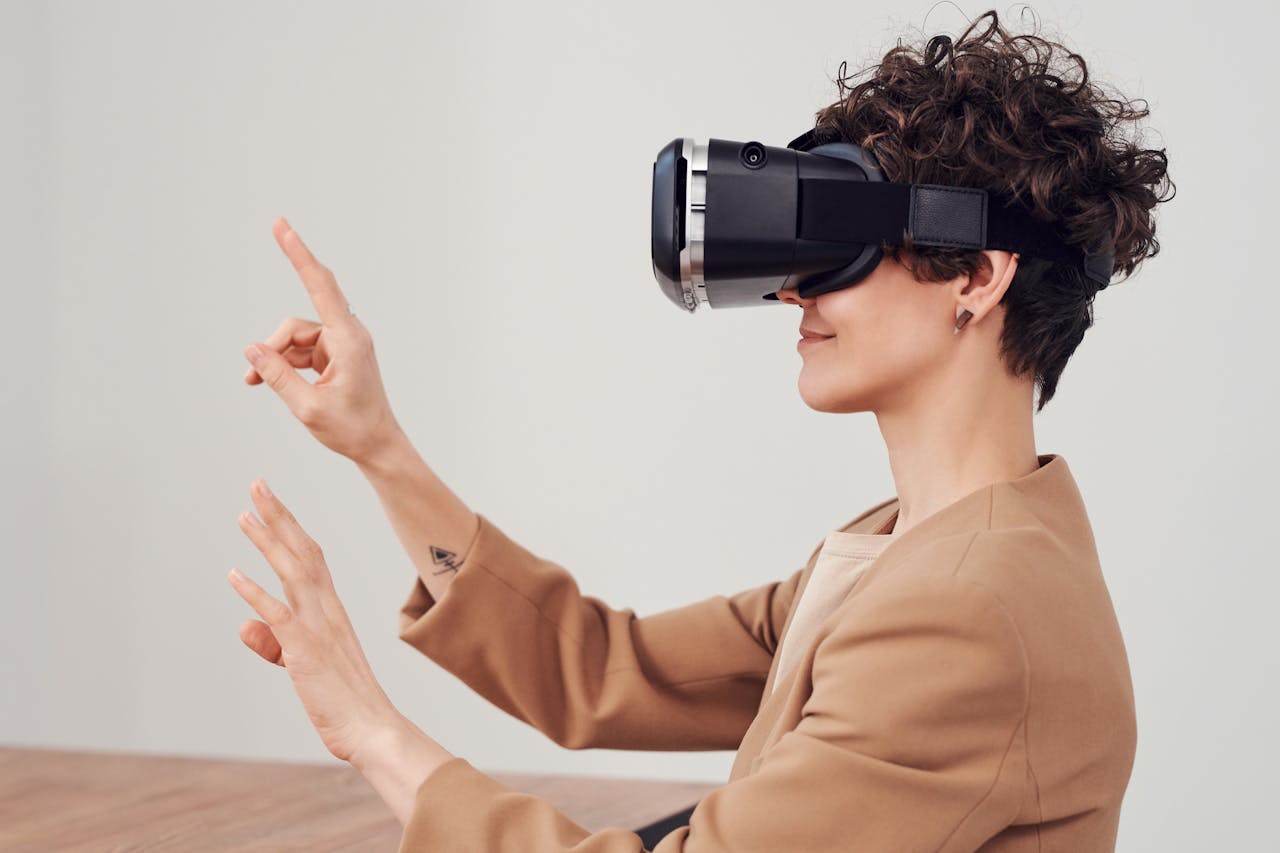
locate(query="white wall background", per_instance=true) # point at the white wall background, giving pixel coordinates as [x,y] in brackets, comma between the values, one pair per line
[478,177]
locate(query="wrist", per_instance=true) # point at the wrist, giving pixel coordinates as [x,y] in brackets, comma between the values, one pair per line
[387,454]
[396,759]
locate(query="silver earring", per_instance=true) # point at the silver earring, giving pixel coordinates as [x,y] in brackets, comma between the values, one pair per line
[963,315]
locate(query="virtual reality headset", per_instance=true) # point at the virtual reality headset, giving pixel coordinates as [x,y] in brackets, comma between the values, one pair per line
[734,222]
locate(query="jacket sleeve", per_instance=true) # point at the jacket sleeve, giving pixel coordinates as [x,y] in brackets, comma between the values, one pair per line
[514,627]
[912,739]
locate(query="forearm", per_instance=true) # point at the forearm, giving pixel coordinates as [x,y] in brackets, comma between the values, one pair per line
[432,523]
[397,761]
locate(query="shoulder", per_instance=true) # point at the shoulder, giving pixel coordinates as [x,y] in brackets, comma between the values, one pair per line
[1028,595]
[1003,561]
[1006,584]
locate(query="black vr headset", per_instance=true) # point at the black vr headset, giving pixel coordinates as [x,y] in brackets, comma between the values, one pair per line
[734,222]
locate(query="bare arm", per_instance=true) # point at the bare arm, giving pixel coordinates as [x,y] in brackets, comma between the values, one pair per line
[347,410]
[433,524]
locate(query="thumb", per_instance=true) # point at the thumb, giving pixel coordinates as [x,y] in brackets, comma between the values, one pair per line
[276,371]
[258,636]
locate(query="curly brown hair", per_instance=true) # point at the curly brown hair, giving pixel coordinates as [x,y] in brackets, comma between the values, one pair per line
[993,110]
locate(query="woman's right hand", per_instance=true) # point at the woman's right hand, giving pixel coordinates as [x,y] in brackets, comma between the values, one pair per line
[346,409]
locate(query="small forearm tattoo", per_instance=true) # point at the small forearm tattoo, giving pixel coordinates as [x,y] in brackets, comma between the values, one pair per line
[441,557]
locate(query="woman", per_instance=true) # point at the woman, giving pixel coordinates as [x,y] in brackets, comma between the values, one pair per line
[944,673]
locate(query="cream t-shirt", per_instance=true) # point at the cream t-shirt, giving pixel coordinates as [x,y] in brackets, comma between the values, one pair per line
[843,559]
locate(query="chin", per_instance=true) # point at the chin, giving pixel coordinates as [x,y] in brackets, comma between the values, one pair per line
[827,396]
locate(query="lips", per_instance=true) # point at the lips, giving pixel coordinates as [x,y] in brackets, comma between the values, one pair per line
[804,343]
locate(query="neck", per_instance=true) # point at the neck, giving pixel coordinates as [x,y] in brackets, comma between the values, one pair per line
[956,438]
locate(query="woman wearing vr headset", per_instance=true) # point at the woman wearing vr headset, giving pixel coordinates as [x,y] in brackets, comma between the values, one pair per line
[944,673]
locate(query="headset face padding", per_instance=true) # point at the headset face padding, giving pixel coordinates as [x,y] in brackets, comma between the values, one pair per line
[869,258]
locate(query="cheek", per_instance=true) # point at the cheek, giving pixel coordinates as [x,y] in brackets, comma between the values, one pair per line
[888,353]
[892,351]
[879,345]
[884,335]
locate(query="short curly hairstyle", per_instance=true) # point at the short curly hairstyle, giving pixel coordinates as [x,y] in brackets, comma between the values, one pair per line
[993,110]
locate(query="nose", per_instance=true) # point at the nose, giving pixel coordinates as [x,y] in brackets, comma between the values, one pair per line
[793,296]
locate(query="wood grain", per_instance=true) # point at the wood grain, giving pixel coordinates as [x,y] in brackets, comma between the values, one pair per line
[65,800]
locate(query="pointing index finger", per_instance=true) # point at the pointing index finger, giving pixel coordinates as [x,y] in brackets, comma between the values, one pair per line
[327,298]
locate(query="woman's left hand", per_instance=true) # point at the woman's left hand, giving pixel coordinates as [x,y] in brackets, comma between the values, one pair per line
[311,636]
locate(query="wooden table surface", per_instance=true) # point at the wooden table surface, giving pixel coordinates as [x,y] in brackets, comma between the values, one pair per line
[63,800]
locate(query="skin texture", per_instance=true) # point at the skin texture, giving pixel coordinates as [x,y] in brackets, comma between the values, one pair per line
[346,408]
[312,638]
[952,415]
[309,634]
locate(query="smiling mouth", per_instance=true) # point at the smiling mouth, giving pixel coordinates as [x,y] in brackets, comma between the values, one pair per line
[808,342]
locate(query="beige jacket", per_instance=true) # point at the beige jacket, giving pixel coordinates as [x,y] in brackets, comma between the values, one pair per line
[972,692]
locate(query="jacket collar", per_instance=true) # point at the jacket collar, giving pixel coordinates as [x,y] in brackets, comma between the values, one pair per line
[1048,494]
[1047,497]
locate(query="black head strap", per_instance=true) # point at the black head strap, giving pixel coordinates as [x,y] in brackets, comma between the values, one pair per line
[934,215]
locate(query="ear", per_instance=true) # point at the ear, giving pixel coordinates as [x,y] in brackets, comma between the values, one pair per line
[982,289]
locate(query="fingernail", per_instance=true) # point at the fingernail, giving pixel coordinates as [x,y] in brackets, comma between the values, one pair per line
[262,487]
[235,573]
[254,353]
[251,518]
